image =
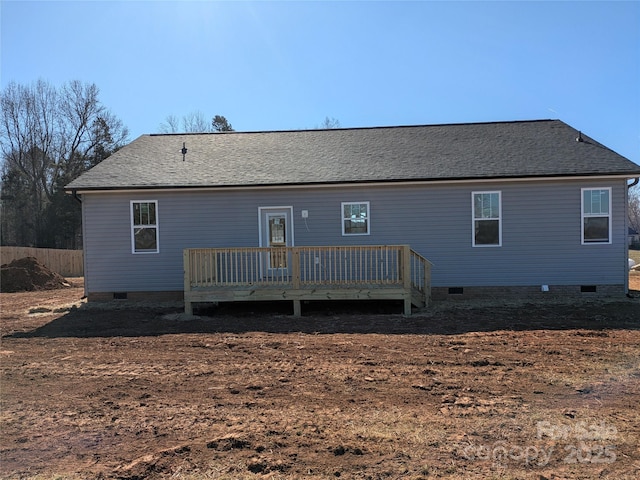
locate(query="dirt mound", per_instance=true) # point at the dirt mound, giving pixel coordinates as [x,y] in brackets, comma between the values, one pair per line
[28,274]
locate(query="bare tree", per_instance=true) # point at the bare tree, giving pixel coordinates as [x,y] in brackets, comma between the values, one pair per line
[329,123]
[171,124]
[48,136]
[634,207]
[194,122]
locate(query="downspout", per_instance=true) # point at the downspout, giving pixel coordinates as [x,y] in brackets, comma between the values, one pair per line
[74,192]
[77,198]
[634,183]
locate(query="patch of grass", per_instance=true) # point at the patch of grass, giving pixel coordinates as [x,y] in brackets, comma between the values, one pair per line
[389,426]
[634,255]
[597,370]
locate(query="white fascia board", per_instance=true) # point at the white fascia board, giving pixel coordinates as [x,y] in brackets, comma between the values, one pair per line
[82,191]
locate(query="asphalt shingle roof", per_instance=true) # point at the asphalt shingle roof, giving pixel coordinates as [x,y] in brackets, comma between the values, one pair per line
[539,148]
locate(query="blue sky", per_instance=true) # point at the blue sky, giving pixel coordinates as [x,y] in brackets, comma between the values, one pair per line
[288,65]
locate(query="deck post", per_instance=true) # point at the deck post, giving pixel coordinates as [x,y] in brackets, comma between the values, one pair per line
[406,277]
[188,308]
[427,283]
[295,279]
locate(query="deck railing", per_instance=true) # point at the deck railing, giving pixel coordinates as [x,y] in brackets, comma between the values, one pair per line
[308,267]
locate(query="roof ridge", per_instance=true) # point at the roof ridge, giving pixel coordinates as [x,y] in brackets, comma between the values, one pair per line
[374,127]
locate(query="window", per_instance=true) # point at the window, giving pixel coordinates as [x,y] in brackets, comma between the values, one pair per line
[487,219]
[596,215]
[355,218]
[144,226]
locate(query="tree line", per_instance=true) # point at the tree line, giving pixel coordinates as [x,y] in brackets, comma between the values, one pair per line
[195,122]
[634,209]
[48,136]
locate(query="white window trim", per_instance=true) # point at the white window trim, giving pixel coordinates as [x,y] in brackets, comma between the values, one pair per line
[133,228]
[473,219]
[342,218]
[583,215]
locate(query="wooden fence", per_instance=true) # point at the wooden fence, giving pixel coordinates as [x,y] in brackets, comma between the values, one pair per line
[68,263]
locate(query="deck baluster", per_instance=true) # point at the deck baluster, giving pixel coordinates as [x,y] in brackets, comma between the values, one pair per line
[306,273]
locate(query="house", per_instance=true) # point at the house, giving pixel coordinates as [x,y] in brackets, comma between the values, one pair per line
[634,237]
[501,208]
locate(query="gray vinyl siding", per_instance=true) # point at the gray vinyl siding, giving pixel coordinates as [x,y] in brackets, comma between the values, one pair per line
[541,231]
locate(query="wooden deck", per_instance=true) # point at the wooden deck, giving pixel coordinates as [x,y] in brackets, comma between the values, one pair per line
[380,272]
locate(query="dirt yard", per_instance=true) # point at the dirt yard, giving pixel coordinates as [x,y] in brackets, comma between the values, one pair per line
[519,390]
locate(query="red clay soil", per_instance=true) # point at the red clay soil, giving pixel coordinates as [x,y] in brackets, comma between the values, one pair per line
[28,274]
[475,390]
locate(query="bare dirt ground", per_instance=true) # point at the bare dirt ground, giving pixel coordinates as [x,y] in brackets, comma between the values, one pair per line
[475,390]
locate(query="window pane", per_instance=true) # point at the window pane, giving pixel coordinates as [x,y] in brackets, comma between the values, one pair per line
[487,232]
[151,213]
[586,202]
[362,208]
[145,239]
[355,226]
[596,202]
[603,202]
[144,213]
[477,205]
[346,211]
[355,210]
[136,214]
[596,229]
[495,205]
[486,205]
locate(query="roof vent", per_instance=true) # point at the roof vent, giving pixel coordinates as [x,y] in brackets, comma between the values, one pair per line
[184,151]
[579,137]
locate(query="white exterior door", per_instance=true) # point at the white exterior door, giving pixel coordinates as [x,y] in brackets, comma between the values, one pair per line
[276,231]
